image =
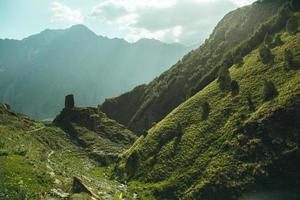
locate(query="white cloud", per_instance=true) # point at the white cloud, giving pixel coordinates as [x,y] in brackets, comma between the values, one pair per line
[186,21]
[63,13]
[242,2]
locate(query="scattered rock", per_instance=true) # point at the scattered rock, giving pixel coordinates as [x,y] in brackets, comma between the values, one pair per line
[59,193]
[79,187]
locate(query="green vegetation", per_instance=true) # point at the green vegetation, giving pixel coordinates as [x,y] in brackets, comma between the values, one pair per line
[288,59]
[238,148]
[265,55]
[292,25]
[235,88]
[39,162]
[269,91]
[205,110]
[236,35]
[224,79]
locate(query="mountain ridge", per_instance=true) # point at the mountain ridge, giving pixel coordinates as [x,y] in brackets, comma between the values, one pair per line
[104,65]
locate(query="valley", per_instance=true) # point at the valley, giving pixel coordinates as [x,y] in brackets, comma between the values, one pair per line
[221,123]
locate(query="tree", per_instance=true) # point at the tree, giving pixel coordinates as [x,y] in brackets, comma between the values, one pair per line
[268,40]
[235,88]
[288,59]
[205,110]
[224,79]
[269,91]
[250,103]
[265,54]
[292,25]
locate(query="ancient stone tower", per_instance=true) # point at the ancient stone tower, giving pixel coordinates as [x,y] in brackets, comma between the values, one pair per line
[69,101]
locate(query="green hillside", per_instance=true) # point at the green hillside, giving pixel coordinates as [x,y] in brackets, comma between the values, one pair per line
[148,104]
[249,141]
[41,162]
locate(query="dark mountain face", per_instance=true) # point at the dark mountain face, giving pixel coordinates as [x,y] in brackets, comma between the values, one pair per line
[191,74]
[38,69]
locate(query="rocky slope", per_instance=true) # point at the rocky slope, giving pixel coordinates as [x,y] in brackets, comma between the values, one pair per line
[148,104]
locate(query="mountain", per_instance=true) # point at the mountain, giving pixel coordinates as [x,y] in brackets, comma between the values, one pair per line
[147,104]
[40,161]
[238,136]
[38,69]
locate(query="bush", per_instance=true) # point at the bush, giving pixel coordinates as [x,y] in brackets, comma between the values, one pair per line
[235,88]
[132,164]
[288,59]
[238,60]
[250,103]
[292,25]
[277,41]
[268,40]
[179,129]
[3,152]
[205,110]
[265,55]
[224,79]
[269,91]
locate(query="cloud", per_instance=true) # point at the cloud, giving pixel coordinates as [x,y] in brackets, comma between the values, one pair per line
[63,13]
[185,21]
[242,2]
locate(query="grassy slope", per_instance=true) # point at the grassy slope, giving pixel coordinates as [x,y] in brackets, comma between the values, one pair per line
[144,105]
[35,159]
[93,129]
[234,148]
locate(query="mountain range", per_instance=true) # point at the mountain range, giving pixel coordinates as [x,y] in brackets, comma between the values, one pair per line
[37,69]
[222,123]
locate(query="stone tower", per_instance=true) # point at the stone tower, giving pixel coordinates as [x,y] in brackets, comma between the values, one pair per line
[69,101]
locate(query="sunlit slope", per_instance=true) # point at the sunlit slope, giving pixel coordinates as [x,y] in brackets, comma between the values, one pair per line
[145,105]
[235,149]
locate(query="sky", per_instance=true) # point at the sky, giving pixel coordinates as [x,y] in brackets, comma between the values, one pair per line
[184,21]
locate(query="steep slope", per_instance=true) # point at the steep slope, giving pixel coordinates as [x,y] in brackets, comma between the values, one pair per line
[243,145]
[90,66]
[44,162]
[154,101]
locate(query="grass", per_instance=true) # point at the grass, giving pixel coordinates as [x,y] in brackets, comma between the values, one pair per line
[35,159]
[219,157]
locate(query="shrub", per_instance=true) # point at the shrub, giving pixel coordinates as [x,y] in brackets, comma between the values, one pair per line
[3,152]
[288,59]
[205,110]
[224,79]
[292,25]
[277,41]
[235,88]
[238,60]
[269,91]
[250,103]
[179,129]
[268,40]
[265,55]
[132,164]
